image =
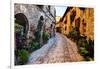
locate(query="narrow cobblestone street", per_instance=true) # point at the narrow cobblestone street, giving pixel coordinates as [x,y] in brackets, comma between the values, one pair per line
[59,49]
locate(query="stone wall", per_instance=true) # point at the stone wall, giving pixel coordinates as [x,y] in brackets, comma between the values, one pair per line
[33,14]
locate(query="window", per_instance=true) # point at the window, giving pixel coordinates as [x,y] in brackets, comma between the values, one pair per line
[84,25]
[77,23]
[72,16]
[65,21]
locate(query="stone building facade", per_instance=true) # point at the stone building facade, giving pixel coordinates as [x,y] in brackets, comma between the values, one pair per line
[30,16]
[81,18]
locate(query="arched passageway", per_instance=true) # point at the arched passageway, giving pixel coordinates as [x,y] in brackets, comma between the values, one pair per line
[21,29]
[22,20]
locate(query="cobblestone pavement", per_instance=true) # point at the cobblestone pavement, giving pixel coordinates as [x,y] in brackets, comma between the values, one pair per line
[59,49]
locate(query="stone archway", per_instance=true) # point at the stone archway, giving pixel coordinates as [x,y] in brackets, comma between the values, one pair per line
[22,20]
[21,30]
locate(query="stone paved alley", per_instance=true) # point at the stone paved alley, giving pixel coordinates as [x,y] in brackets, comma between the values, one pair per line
[59,49]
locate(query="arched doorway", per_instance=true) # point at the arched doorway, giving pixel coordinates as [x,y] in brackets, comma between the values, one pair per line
[21,29]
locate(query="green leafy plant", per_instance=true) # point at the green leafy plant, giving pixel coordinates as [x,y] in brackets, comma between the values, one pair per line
[34,46]
[23,56]
[45,36]
[73,35]
[85,47]
[83,50]
[89,58]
